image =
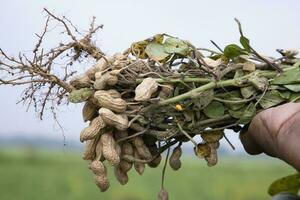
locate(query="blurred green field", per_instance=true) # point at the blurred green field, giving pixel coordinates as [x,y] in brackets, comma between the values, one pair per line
[32,175]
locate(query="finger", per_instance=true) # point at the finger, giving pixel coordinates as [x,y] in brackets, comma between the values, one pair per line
[250,145]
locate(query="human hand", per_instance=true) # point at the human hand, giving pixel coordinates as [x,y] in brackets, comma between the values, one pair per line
[276,132]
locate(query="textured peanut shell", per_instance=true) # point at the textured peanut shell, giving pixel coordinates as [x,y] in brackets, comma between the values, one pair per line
[106,100]
[80,81]
[155,162]
[112,93]
[120,122]
[125,165]
[90,149]
[212,158]
[91,72]
[145,89]
[89,111]
[98,150]
[138,166]
[141,148]
[101,65]
[120,134]
[105,79]
[98,168]
[166,91]
[121,175]
[93,130]
[174,160]
[109,149]
[127,148]
[163,195]
[102,182]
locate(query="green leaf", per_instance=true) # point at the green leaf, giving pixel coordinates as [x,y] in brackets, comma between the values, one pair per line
[245,43]
[248,91]
[235,106]
[237,113]
[81,95]
[285,94]
[293,87]
[295,97]
[288,77]
[214,110]
[270,99]
[286,184]
[239,73]
[156,51]
[177,46]
[244,114]
[233,50]
[248,114]
[297,63]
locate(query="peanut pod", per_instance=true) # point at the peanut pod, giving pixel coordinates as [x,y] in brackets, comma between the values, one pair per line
[138,166]
[121,175]
[155,162]
[163,195]
[141,148]
[113,93]
[109,149]
[166,91]
[120,122]
[212,158]
[106,100]
[80,81]
[102,182]
[102,80]
[93,129]
[145,89]
[174,160]
[89,111]
[97,168]
[90,149]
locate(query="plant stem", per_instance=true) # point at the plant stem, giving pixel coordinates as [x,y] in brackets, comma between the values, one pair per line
[186,79]
[237,82]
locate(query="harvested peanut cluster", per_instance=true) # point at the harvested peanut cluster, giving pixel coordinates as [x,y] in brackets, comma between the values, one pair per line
[145,101]
[158,94]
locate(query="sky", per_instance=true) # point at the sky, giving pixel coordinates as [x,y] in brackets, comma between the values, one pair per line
[268,24]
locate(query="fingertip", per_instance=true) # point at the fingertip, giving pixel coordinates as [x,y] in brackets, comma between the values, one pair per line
[250,146]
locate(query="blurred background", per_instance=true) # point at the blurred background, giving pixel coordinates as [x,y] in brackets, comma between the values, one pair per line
[40,161]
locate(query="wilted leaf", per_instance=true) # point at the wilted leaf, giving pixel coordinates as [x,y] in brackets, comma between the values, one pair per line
[271,98]
[202,150]
[245,43]
[233,50]
[286,184]
[175,45]
[212,63]
[293,87]
[248,91]
[81,95]
[260,83]
[249,66]
[156,51]
[214,110]
[203,99]
[138,49]
[288,77]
